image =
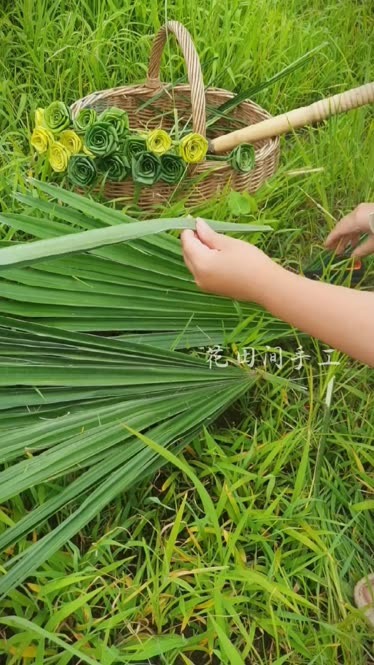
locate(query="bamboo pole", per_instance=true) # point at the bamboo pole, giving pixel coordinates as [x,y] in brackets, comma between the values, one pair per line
[286,122]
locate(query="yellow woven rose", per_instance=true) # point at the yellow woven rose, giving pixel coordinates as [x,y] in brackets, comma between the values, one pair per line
[71,141]
[158,141]
[58,157]
[41,139]
[193,148]
[39,118]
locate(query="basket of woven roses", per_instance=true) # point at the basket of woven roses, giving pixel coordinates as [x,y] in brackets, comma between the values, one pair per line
[150,143]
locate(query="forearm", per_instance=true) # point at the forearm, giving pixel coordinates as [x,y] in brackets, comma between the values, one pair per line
[342,318]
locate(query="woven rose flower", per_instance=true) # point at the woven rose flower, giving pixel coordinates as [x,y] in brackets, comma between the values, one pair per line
[82,171]
[101,139]
[158,141]
[242,158]
[118,118]
[84,119]
[133,145]
[193,148]
[57,117]
[71,141]
[115,167]
[41,139]
[173,169]
[145,168]
[58,157]
[39,118]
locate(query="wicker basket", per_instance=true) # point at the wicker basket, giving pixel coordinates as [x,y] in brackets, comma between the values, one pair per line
[155,104]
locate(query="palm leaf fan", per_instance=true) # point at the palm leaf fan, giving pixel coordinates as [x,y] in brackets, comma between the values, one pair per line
[66,402]
[140,289]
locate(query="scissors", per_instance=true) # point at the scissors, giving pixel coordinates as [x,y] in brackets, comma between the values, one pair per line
[336,269]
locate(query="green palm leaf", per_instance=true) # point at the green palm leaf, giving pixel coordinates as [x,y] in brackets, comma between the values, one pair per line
[91,390]
[28,253]
[141,289]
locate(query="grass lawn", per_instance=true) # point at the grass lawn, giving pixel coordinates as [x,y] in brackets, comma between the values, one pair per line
[245,548]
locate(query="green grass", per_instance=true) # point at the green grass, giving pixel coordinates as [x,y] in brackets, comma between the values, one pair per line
[263,572]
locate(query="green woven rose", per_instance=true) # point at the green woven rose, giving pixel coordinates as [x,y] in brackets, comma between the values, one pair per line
[57,117]
[173,169]
[146,168]
[115,167]
[84,119]
[133,146]
[242,158]
[101,139]
[118,118]
[82,170]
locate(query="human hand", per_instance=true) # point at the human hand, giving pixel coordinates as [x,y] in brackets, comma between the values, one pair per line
[226,266]
[350,229]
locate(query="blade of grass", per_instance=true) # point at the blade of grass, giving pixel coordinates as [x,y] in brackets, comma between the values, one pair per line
[254,90]
[34,629]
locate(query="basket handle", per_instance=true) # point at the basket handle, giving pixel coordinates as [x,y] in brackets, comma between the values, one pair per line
[195,75]
[306,115]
